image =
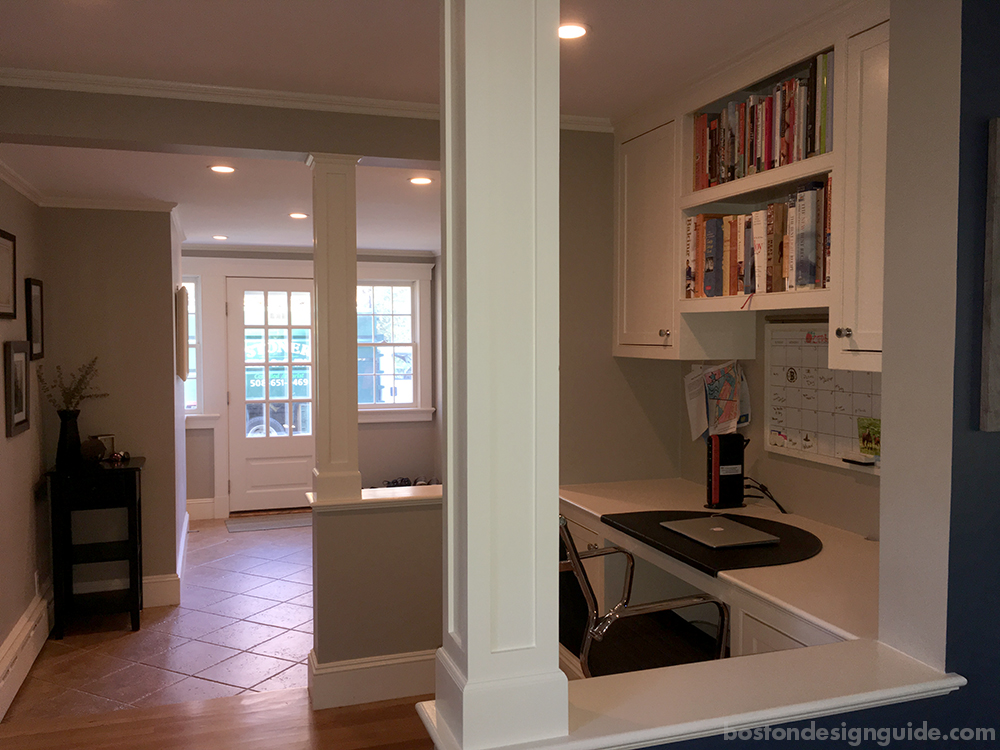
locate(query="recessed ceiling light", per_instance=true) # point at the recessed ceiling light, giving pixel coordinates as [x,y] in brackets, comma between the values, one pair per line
[222,169]
[219,237]
[572,30]
[299,216]
[420,180]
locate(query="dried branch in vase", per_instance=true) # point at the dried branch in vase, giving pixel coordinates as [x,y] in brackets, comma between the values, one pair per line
[68,395]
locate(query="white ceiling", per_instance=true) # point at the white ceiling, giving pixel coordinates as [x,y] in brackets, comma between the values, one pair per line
[636,51]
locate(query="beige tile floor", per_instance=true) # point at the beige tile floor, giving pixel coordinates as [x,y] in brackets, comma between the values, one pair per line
[244,624]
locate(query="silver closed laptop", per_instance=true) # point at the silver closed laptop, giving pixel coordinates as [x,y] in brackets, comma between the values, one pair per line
[718,532]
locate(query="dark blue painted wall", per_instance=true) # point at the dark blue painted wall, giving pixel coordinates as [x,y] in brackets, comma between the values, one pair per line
[973,648]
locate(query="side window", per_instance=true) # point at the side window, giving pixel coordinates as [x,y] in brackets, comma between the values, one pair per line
[192,386]
[394,347]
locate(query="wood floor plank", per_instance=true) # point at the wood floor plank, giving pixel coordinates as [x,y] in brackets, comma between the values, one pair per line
[260,721]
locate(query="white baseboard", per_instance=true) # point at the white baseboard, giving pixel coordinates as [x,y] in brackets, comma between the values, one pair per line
[376,678]
[202,509]
[157,591]
[21,647]
[161,591]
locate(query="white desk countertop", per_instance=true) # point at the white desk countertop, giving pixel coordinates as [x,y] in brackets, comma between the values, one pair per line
[837,589]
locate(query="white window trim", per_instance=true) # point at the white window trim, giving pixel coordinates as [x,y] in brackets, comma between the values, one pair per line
[200,367]
[419,274]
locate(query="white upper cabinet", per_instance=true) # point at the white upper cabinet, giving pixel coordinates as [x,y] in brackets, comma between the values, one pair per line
[645,291]
[856,311]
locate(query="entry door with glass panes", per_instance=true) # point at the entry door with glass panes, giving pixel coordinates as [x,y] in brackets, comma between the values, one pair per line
[271,377]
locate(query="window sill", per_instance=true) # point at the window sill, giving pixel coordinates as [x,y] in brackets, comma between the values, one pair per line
[366,416]
[196,421]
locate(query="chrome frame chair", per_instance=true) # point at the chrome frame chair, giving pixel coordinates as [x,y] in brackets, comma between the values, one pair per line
[598,624]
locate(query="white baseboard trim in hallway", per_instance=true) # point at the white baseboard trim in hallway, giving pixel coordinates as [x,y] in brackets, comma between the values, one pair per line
[19,651]
[375,678]
[202,509]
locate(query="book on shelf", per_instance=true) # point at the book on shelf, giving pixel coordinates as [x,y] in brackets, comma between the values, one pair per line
[789,243]
[689,250]
[782,122]
[826,229]
[759,235]
[713,256]
[783,246]
[733,264]
[775,230]
[749,272]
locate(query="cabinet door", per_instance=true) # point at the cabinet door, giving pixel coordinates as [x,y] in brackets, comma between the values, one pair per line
[856,325]
[645,293]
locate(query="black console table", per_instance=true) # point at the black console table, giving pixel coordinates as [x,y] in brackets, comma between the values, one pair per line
[96,487]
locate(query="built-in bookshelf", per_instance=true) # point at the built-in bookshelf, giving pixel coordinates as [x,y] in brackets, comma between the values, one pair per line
[759,198]
[777,122]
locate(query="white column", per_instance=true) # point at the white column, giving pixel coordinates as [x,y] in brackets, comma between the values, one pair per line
[336,479]
[498,678]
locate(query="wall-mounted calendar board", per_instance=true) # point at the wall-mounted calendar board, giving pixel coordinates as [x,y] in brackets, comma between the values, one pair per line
[811,411]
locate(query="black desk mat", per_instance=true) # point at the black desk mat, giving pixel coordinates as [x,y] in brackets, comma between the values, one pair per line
[796,544]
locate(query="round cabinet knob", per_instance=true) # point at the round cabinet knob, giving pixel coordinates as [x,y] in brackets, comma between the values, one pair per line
[844,333]
[664,332]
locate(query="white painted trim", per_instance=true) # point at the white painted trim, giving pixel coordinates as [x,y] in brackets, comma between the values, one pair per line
[20,184]
[98,84]
[112,204]
[375,678]
[266,252]
[403,498]
[589,124]
[710,698]
[21,647]
[373,415]
[200,421]
[182,548]
[161,591]
[569,663]
[427,256]
[201,509]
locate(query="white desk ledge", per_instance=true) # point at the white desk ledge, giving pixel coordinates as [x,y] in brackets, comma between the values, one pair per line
[641,709]
[380,498]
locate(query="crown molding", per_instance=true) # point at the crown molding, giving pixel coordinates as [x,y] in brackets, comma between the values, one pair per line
[20,184]
[99,84]
[589,124]
[264,252]
[109,204]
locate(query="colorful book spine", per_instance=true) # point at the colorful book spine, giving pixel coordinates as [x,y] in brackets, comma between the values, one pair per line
[820,237]
[699,256]
[713,256]
[790,240]
[805,239]
[821,103]
[700,129]
[723,288]
[810,148]
[735,265]
[827,221]
[689,249]
[776,246]
[749,272]
[741,252]
[759,235]
[829,101]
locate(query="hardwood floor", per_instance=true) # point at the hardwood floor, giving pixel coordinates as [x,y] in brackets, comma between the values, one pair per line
[281,720]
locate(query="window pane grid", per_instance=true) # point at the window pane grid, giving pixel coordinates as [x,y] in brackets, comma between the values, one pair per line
[386,350]
[280,403]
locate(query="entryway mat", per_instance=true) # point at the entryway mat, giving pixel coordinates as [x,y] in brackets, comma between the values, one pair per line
[268,522]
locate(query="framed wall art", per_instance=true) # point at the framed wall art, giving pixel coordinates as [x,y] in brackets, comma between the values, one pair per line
[15,378]
[36,322]
[8,275]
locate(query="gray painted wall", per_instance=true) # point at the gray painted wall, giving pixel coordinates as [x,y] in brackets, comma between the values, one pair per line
[109,293]
[24,529]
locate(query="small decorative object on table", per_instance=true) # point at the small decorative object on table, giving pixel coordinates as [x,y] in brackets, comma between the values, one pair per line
[67,405]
